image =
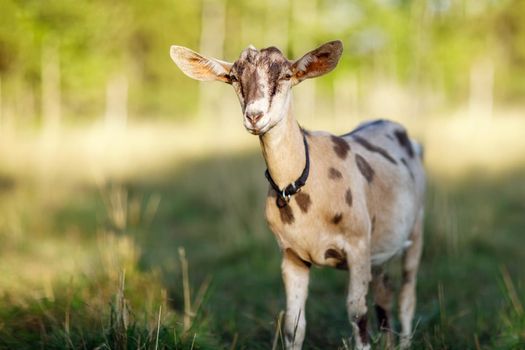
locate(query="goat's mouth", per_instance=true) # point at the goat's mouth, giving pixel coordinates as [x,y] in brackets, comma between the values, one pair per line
[259,130]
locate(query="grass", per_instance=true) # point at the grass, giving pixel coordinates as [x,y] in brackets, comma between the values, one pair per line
[99,265]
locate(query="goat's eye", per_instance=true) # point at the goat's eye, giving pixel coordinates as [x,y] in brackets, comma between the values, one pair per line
[287,76]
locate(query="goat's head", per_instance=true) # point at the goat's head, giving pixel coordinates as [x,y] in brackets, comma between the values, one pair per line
[262,78]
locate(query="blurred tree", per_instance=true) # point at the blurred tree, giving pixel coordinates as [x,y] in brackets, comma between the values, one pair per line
[60,57]
[509,36]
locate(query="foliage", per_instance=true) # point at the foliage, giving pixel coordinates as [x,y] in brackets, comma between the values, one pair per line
[424,44]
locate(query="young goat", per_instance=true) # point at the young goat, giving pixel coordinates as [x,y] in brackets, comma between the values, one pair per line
[350,202]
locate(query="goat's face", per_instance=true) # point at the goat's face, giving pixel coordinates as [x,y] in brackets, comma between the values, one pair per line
[262,79]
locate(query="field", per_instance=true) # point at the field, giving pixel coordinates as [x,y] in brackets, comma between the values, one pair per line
[145,240]
[131,198]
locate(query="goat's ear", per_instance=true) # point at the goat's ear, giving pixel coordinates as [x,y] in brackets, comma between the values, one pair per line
[317,62]
[199,67]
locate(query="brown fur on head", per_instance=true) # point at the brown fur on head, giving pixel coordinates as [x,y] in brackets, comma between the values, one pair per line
[262,78]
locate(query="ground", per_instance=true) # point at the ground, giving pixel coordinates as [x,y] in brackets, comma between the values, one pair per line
[87,265]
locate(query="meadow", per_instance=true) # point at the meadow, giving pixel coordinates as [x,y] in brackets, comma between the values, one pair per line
[154,238]
[131,198]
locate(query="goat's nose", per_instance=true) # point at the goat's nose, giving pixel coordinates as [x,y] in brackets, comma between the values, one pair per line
[254,117]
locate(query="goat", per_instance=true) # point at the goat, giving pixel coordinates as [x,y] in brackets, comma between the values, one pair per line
[351,202]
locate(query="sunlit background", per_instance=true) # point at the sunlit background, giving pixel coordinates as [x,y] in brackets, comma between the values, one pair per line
[131,198]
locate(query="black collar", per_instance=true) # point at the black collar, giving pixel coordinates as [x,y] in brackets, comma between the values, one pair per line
[284,195]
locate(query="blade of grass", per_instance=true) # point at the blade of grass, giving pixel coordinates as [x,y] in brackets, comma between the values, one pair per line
[277,330]
[158,328]
[186,290]
[511,290]
[234,342]
[200,295]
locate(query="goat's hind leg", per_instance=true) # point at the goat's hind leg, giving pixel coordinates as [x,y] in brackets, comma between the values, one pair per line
[407,295]
[382,291]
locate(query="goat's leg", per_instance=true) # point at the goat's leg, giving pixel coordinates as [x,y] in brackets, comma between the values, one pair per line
[407,295]
[383,303]
[296,274]
[359,265]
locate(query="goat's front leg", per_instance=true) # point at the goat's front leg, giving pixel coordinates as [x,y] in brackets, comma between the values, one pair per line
[360,276]
[296,274]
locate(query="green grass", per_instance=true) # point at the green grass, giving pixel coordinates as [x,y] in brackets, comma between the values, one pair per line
[471,285]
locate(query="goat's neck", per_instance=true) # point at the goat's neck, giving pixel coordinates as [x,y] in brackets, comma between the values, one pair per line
[283,150]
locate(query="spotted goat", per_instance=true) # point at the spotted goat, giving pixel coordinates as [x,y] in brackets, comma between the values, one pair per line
[351,202]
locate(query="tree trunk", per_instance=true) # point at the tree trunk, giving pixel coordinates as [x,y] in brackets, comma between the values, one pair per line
[302,21]
[276,27]
[481,89]
[212,45]
[51,96]
[117,102]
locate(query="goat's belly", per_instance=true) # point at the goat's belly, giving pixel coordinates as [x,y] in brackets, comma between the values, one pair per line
[389,245]
[391,235]
[383,256]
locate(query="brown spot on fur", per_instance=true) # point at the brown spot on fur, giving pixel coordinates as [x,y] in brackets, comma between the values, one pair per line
[338,257]
[407,277]
[374,148]
[386,282]
[373,224]
[365,168]
[382,319]
[334,174]
[362,325]
[303,201]
[404,141]
[274,71]
[337,218]
[289,335]
[404,161]
[251,86]
[342,265]
[333,254]
[348,197]
[286,214]
[341,147]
